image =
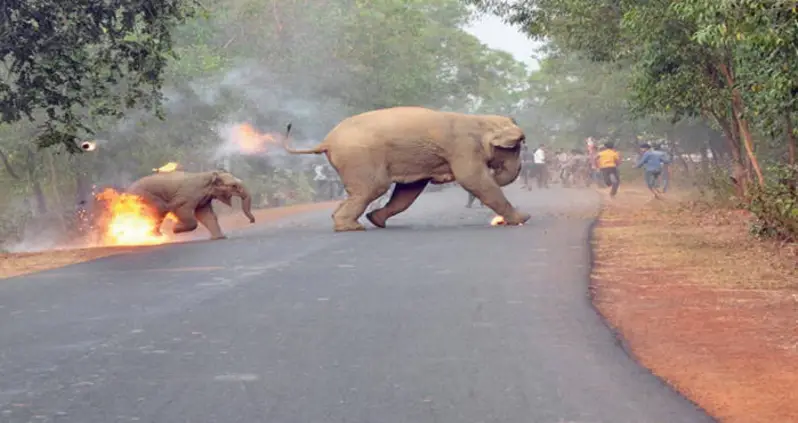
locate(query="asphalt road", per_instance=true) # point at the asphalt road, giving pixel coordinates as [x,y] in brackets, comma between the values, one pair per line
[440,318]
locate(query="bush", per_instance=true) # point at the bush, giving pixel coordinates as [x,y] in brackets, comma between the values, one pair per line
[775,205]
[715,186]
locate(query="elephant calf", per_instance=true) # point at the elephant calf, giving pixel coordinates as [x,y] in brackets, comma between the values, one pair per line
[414,146]
[188,196]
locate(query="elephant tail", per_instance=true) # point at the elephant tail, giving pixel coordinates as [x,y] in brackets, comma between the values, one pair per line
[321,148]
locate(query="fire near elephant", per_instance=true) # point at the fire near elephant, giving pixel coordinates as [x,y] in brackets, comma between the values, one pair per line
[188,196]
[414,146]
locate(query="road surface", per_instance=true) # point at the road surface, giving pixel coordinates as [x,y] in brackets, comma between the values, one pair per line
[440,318]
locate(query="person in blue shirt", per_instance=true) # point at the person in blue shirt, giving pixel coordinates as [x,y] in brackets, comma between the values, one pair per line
[652,162]
[666,171]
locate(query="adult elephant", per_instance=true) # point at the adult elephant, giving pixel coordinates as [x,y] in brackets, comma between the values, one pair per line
[414,146]
[188,196]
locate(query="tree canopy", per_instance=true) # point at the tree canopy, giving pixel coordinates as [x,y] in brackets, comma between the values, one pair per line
[63,59]
[731,64]
[727,67]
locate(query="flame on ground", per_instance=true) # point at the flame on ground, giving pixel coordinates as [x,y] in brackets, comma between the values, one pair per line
[497,221]
[169,167]
[128,220]
[249,140]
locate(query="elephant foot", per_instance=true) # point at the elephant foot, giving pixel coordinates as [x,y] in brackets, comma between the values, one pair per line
[375,220]
[350,227]
[517,219]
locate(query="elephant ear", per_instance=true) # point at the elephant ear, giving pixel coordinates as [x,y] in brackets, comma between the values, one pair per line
[507,138]
[215,178]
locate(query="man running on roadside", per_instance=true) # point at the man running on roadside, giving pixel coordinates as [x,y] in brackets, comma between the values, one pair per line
[607,161]
[666,171]
[652,162]
[577,170]
[527,165]
[541,168]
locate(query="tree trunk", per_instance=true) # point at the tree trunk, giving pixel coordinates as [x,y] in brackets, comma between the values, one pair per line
[82,189]
[790,139]
[59,203]
[36,187]
[738,169]
[83,168]
[745,133]
[704,159]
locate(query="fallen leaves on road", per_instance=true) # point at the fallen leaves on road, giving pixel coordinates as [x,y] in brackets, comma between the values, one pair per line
[703,305]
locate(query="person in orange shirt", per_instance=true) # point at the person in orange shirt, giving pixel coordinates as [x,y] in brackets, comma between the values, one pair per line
[607,161]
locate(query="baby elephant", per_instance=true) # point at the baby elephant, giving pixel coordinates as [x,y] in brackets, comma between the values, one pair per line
[188,196]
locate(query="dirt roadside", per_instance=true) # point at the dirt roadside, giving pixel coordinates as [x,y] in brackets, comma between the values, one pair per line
[24,263]
[707,308]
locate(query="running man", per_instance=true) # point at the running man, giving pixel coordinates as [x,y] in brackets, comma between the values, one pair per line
[652,162]
[527,165]
[541,168]
[666,171]
[607,161]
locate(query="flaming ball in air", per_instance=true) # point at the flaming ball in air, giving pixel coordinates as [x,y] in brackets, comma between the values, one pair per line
[249,141]
[88,145]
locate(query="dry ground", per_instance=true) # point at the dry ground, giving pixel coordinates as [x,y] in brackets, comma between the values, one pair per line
[707,308]
[23,263]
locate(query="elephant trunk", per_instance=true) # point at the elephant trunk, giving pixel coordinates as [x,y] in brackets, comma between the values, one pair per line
[246,204]
[507,174]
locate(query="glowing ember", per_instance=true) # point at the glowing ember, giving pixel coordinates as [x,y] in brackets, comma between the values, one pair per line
[169,167]
[249,141]
[497,221]
[129,220]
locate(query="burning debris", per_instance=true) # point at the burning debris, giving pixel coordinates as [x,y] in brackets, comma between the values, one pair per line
[88,145]
[127,220]
[244,139]
[169,167]
[499,221]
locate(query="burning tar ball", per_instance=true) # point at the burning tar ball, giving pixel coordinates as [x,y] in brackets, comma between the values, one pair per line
[88,146]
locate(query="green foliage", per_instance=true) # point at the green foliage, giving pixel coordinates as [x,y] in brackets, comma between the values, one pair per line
[775,205]
[63,56]
[728,66]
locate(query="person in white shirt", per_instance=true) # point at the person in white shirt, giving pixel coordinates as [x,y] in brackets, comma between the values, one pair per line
[541,170]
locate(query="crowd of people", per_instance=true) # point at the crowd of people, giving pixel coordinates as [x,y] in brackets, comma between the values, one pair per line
[600,165]
[574,168]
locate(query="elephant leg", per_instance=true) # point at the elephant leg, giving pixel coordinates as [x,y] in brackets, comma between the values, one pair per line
[207,217]
[402,197]
[352,207]
[159,218]
[186,222]
[159,211]
[478,181]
